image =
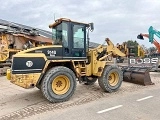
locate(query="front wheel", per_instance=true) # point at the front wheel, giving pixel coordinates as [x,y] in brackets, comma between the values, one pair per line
[111,79]
[58,84]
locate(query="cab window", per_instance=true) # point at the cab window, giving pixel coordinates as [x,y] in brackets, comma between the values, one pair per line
[65,34]
[78,36]
[60,34]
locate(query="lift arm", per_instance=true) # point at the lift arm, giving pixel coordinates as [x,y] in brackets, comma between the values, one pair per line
[108,50]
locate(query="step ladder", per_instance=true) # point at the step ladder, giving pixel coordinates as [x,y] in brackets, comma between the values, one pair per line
[82,66]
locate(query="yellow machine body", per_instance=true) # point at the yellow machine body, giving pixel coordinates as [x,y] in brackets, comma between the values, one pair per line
[79,66]
[141,51]
[54,69]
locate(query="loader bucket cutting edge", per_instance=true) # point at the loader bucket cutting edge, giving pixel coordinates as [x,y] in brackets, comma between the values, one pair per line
[138,76]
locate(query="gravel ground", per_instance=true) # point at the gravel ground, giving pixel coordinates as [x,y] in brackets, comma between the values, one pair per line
[18,103]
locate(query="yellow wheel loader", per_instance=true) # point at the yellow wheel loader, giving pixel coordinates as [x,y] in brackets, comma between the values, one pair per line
[123,48]
[55,69]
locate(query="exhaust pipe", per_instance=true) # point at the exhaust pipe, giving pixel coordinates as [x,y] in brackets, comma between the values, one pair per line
[137,75]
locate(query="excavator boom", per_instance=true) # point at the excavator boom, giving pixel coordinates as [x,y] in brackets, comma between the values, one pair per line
[141,37]
[152,31]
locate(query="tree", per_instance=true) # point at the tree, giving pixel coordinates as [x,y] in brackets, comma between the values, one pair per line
[152,50]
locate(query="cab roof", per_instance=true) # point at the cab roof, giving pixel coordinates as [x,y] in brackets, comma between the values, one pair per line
[58,21]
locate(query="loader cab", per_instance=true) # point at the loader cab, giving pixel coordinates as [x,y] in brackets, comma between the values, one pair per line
[72,36]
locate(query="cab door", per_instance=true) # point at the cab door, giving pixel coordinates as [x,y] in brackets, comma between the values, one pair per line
[78,41]
[66,42]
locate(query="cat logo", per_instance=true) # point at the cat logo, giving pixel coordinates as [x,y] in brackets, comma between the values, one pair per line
[29,63]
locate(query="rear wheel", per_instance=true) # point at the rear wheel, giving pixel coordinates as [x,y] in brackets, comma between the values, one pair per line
[58,84]
[111,79]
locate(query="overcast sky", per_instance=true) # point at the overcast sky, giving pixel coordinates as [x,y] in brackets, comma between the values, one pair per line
[119,20]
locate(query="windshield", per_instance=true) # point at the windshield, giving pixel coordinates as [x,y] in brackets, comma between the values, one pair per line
[60,34]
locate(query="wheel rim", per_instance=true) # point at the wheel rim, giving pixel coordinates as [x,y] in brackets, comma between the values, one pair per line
[113,78]
[61,85]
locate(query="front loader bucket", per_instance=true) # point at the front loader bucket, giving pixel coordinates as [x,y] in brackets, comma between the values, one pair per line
[140,37]
[137,75]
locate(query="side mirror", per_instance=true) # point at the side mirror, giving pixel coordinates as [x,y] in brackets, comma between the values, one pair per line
[91,26]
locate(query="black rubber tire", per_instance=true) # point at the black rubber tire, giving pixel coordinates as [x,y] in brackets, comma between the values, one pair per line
[104,82]
[46,85]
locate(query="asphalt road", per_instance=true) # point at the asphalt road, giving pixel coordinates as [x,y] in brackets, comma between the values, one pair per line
[131,102]
[140,105]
